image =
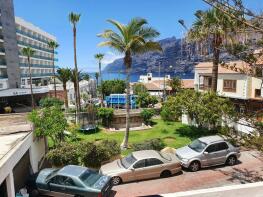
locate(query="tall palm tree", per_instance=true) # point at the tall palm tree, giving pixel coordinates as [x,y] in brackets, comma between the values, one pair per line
[74,19]
[131,39]
[53,45]
[99,57]
[97,78]
[212,27]
[64,76]
[75,77]
[29,52]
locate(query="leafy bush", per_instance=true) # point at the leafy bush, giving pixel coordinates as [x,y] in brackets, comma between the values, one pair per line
[115,86]
[152,144]
[147,115]
[50,102]
[65,154]
[144,99]
[139,88]
[94,154]
[106,115]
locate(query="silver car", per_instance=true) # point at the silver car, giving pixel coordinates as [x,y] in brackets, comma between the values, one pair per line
[208,151]
[139,165]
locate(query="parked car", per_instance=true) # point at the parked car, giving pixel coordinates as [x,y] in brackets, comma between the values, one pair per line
[140,165]
[73,181]
[208,151]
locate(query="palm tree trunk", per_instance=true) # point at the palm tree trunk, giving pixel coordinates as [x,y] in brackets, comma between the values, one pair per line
[128,62]
[54,74]
[216,53]
[65,95]
[77,94]
[31,88]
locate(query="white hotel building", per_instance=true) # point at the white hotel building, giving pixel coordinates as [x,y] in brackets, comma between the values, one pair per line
[16,34]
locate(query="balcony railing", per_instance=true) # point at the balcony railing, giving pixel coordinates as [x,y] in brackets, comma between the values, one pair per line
[31,36]
[37,65]
[34,46]
[38,75]
[42,57]
[204,87]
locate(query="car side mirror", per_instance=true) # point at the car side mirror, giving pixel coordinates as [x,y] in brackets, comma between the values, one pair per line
[206,153]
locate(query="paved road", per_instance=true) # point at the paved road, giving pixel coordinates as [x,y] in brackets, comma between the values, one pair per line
[249,170]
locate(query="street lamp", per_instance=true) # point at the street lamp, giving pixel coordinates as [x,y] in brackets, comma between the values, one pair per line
[164,85]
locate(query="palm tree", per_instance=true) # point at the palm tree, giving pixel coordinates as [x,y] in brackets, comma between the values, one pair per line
[74,19]
[53,45]
[131,39]
[64,76]
[75,77]
[99,57]
[29,52]
[212,27]
[97,78]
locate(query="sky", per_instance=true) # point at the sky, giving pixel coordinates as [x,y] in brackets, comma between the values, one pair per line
[52,17]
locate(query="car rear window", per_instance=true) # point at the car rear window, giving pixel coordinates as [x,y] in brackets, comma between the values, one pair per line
[165,156]
[89,178]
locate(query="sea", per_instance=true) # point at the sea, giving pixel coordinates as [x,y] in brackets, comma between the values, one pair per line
[135,76]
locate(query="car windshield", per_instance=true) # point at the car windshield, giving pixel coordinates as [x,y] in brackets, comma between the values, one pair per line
[89,177]
[197,146]
[128,161]
[52,174]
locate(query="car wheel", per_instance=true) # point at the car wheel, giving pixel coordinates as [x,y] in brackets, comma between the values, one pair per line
[116,180]
[195,166]
[231,160]
[165,174]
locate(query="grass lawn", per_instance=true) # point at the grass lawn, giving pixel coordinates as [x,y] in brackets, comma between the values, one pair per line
[173,134]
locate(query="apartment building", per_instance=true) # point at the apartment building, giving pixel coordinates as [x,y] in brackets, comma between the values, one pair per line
[16,34]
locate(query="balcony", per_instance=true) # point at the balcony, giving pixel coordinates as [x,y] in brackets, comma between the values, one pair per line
[34,47]
[42,57]
[2,62]
[31,36]
[37,65]
[38,75]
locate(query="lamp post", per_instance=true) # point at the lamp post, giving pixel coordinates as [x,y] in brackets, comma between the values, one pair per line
[164,84]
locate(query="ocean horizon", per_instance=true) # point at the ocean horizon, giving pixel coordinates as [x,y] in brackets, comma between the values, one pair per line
[135,76]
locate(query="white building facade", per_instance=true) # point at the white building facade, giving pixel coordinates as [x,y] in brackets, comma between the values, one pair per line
[16,34]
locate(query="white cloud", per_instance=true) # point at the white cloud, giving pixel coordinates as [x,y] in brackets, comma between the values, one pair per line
[110,57]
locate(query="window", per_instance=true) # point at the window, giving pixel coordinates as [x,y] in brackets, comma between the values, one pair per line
[139,164]
[153,162]
[229,85]
[62,180]
[212,148]
[1,85]
[257,92]
[222,146]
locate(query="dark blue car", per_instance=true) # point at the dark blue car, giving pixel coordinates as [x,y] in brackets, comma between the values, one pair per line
[74,181]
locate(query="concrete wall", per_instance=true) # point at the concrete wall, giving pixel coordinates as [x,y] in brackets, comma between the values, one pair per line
[36,150]
[10,43]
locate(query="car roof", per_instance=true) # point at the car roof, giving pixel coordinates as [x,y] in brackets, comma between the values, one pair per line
[211,139]
[72,170]
[144,154]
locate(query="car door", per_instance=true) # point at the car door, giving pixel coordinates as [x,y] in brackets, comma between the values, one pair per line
[221,153]
[56,185]
[138,169]
[209,155]
[153,168]
[73,188]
